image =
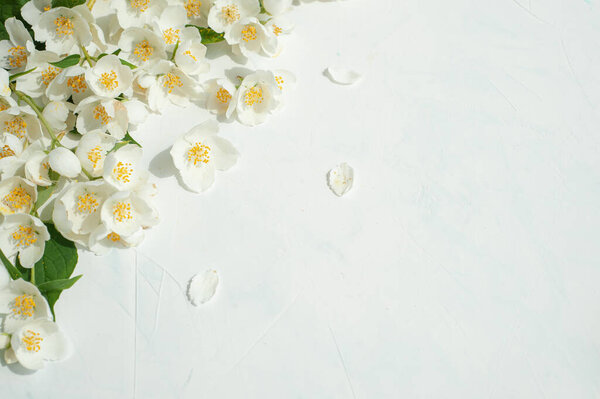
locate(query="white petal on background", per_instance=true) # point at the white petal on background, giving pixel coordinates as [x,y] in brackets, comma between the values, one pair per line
[340,179]
[202,287]
[342,76]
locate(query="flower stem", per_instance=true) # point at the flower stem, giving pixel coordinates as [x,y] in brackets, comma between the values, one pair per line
[175,51]
[86,55]
[29,101]
[91,4]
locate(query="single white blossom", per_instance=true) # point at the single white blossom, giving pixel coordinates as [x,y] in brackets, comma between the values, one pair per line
[17,195]
[122,168]
[21,302]
[224,14]
[277,7]
[36,82]
[167,83]
[33,9]
[23,234]
[14,51]
[109,78]
[138,12]
[39,341]
[61,29]
[219,96]
[92,149]
[258,96]
[70,82]
[251,37]
[106,115]
[126,213]
[169,25]
[64,162]
[141,46]
[37,169]
[102,240]
[191,53]
[21,122]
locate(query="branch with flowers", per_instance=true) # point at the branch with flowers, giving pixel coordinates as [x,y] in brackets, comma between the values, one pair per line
[77,79]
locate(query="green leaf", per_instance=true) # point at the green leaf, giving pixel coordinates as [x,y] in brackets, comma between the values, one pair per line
[67,3]
[69,61]
[9,8]
[208,35]
[57,263]
[12,270]
[25,272]
[18,75]
[130,139]
[58,285]
[43,194]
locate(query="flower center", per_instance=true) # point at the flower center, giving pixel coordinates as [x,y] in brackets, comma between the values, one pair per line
[77,83]
[230,13]
[114,237]
[24,236]
[280,82]
[32,341]
[123,172]
[193,8]
[253,95]
[223,95]
[172,80]
[87,203]
[95,156]
[49,74]
[18,56]
[109,80]
[16,126]
[141,5]
[100,114]
[122,211]
[24,306]
[249,33]
[64,26]
[189,53]
[171,35]
[199,153]
[277,30]
[143,50]
[17,199]
[6,151]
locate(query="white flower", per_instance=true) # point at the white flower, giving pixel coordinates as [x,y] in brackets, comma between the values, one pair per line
[21,122]
[102,240]
[141,46]
[122,169]
[14,157]
[199,152]
[277,7]
[14,52]
[340,179]
[251,37]
[126,213]
[92,150]
[22,303]
[17,195]
[39,341]
[107,115]
[167,83]
[286,81]
[219,95]
[109,78]
[25,235]
[137,12]
[62,29]
[169,25]
[64,162]
[56,114]
[196,10]
[277,27]
[225,13]
[70,82]
[37,169]
[190,56]
[77,210]
[32,10]
[36,82]
[257,97]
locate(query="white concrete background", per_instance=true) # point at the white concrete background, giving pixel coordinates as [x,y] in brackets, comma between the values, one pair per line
[463,264]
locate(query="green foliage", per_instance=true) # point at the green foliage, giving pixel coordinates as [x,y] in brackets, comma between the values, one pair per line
[67,3]
[14,273]
[8,9]
[43,194]
[14,77]
[208,35]
[68,61]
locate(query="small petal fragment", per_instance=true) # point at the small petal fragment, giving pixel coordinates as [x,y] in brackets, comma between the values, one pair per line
[342,76]
[340,179]
[202,287]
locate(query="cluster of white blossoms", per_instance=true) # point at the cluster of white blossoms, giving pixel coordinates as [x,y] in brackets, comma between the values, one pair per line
[74,82]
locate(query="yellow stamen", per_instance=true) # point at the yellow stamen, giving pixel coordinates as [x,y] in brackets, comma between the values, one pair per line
[230,13]
[6,151]
[193,8]
[141,5]
[199,153]
[17,57]
[114,237]
[143,50]
[16,126]
[280,82]
[123,172]
[253,95]
[95,156]
[249,33]
[277,30]
[64,26]
[32,341]
[101,114]
[122,211]
[77,83]
[48,7]
[49,74]
[17,199]
[223,95]
[109,80]
[172,80]
[24,236]
[24,306]
[189,53]
[171,35]
[87,203]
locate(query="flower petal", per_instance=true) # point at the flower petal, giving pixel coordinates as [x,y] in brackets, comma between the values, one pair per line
[202,287]
[342,76]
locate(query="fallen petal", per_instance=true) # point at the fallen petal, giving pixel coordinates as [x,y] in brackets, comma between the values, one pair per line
[340,179]
[202,287]
[342,76]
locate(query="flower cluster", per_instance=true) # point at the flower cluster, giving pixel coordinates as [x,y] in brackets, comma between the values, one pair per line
[74,83]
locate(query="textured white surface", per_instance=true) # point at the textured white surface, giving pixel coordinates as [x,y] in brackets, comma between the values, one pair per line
[463,264]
